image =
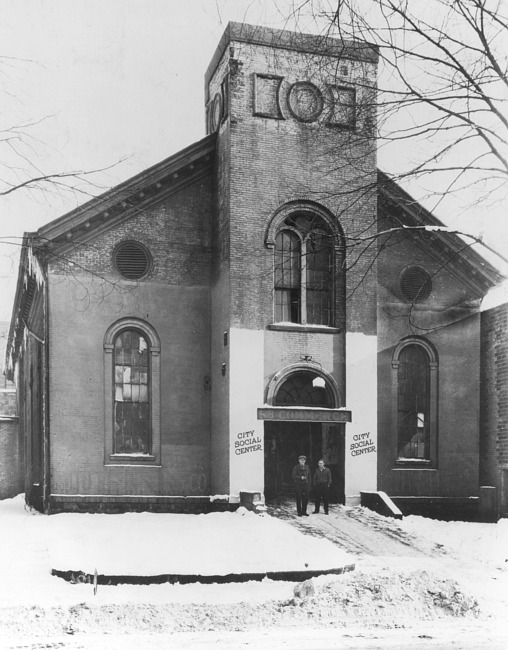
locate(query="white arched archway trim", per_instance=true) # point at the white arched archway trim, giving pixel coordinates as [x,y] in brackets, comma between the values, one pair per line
[154,457]
[133,324]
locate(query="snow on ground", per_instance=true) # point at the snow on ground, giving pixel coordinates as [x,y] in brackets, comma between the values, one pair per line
[218,543]
[417,583]
[145,544]
[483,543]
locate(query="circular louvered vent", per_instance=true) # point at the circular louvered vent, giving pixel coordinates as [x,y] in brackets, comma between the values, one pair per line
[132,260]
[415,284]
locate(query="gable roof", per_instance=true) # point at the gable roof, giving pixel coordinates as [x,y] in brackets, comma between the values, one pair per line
[195,161]
[93,217]
[188,166]
[441,242]
[150,186]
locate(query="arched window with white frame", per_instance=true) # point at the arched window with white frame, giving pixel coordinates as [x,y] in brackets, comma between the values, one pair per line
[132,399]
[131,408]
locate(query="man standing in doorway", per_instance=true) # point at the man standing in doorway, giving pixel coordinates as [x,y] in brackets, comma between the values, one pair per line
[301,481]
[322,482]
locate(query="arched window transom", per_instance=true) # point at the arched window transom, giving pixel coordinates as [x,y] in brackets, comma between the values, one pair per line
[304,389]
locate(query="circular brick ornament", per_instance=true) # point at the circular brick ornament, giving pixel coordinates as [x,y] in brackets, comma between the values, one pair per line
[305,101]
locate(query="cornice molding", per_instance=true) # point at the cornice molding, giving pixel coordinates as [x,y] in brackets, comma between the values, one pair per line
[153,184]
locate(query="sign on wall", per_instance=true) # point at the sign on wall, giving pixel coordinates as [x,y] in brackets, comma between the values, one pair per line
[247,442]
[362,444]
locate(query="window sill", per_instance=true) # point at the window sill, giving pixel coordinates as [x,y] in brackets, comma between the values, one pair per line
[296,327]
[132,459]
[413,463]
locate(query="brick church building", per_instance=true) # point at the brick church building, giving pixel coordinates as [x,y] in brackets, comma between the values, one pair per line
[186,335]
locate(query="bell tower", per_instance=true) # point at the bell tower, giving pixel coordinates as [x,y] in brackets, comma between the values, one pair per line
[294,116]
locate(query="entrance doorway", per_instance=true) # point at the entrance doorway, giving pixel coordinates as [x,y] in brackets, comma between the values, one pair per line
[285,441]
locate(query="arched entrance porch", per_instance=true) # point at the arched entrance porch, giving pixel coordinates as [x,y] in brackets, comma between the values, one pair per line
[304,417]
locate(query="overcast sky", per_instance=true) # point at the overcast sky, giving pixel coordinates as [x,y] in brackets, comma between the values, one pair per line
[106,81]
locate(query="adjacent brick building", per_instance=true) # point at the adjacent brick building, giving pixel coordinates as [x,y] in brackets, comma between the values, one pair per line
[494,404]
[185,336]
[11,453]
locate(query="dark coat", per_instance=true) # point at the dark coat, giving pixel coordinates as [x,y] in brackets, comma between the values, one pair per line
[322,477]
[301,477]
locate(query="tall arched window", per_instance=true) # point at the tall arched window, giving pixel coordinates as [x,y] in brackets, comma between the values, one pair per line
[303,271]
[415,365]
[413,403]
[132,399]
[132,434]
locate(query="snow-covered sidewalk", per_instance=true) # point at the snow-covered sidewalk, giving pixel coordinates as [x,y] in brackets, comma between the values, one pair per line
[147,544]
[215,544]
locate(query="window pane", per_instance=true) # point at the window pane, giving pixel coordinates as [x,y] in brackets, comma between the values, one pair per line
[135,358]
[282,309]
[118,352]
[131,406]
[318,307]
[287,274]
[319,278]
[413,403]
[287,260]
[287,305]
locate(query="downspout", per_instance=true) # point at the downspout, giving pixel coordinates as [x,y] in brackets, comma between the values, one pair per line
[46,490]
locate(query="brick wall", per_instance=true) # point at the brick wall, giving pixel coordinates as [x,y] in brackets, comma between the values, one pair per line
[494,401]
[177,231]
[8,402]
[220,322]
[175,301]
[11,477]
[449,320]
[274,161]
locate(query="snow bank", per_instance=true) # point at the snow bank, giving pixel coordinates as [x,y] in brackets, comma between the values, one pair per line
[469,540]
[31,545]
[221,543]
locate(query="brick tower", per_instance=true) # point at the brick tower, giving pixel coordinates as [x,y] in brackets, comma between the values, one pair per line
[293,303]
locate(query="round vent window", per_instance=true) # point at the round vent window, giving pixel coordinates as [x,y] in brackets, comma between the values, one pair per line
[415,284]
[132,260]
